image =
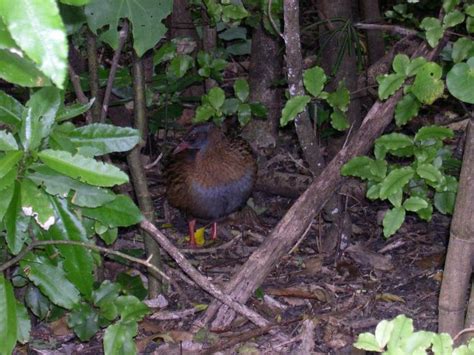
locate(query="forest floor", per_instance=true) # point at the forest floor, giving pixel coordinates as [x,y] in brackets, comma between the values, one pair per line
[345,285]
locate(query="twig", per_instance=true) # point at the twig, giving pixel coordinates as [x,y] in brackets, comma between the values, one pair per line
[272,21]
[76,84]
[156,161]
[303,236]
[386,28]
[214,249]
[202,281]
[123,34]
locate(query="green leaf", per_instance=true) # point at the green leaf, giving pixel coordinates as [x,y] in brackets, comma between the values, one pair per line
[428,86]
[7,141]
[23,323]
[414,204]
[20,70]
[204,113]
[396,180]
[391,143]
[383,332]
[131,308]
[179,66]
[314,80]
[6,195]
[8,161]
[434,31]
[121,212]
[8,317]
[10,110]
[431,173]
[84,320]
[36,302]
[37,28]
[389,83]
[233,12]
[402,328]
[85,169]
[44,105]
[293,107]
[78,261]
[244,114]
[165,53]
[433,132]
[358,166]
[15,223]
[400,64]
[53,182]
[442,344]
[8,179]
[462,49]
[105,138]
[131,285]
[241,89]
[51,280]
[373,193]
[258,109]
[118,338]
[109,236]
[339,99]
[393,220]
[459,81]
[415,65]
[91,196]
[339,120]
[453,18]
[75,2]
[396,198]
[216,97]
[104,297]
[444,201]
[146,21]
[406,109]
[35,203]
[426,213]
[367,341]
[74,110]
[417,340]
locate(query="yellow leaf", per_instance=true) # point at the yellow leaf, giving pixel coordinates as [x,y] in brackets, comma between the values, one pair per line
[199,235]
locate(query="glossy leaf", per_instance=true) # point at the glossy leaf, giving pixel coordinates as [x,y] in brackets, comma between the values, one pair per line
[37,28]
[244,114]
[23,323]
[459,81]
[389,83]
[414,204]
[314,80]
[131,285]
[391,143]
[339,99]
[10,110]
[415,65]
[216,97]
[434,31]
[146,20]
[85,169]
[406,109]
[428,86]
[74,110]
[393,220]
[358,166]
[7,141]
[258,109]
[6,195]
[442,344]
[453,18]
[121,212]
[241,89]
[36,302]
[15,223]
[20,70]
[8,161]
[8,317]
[431,173]
[395,180]
[35,203]
[403,327]
[383,331]
[444,201]
[44,105]
[84,320]
[105,138]
[204,113]
[51,280]
[400,64]
[293,107]
[179,66]
[118,338]
[339,120]
[433,132]
[78,261]
[91,196]
[166,52]
[463,48]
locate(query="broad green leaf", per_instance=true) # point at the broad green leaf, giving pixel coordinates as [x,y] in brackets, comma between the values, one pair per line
[131,308]
[244,114]
[462,49]
[393,220]
[37,28]
[367,341]
[84,320]
[396,198]
[145,18]
[241,89]
[74,110]
[339,99]
[36,302]
[230,106]
[216,97]
[339,120]
[442,344]
[166,52]
[431,173]
[403,328]
[179,66]
[358,166]
[314,80]
[420,339]
[51,280]
[23,323]
[426,213]
[459,81]
[118,338]
[44,105]
[131,285]
[396,180]
[6,40]
[54,183]
[85,169]
[433,132]
[400,64]
[78,261]
[258,109]
[444,201]
[15,223]
[104,297]
[8,179]
[233,12]
[453,18]
[35,203]
[91,196]
[6,195]
[109,236]
[30,134]
[204,113]
[414,204]
[449,5]
[19,70]
[7,141]
[10,110]
[383,332]
[428,86]
[105,138]
[233,33]
[406,109]
[293,107]
[391,143]
[8,161]
[8,317]
[434,31]
[121,212]
[415,65]
[373,192]
[389,83]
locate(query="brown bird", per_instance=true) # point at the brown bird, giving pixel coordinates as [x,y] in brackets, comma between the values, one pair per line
[210,176]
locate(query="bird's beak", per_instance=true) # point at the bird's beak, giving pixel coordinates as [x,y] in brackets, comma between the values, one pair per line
[182,146]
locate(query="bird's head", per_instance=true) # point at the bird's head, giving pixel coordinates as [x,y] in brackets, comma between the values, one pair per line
[198,138]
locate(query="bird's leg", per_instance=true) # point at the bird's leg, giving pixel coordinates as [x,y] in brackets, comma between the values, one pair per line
[191,228]
[214,231]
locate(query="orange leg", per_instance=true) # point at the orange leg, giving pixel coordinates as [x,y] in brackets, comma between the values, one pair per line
[191,228]
[214,231]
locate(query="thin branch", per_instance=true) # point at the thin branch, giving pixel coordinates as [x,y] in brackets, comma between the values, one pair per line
[76,84]
[386,28]
[123,34]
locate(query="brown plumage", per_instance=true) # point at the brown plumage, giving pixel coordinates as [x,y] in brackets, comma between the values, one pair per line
[210,176]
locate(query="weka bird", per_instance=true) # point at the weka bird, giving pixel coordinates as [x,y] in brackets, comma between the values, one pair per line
[210,176]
